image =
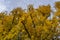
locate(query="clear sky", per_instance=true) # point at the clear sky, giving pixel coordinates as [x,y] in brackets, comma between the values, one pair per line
[7,5]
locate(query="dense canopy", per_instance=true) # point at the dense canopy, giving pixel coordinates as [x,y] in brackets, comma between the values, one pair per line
[32,24]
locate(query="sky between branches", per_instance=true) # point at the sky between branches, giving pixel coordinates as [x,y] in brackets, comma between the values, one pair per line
[8,5]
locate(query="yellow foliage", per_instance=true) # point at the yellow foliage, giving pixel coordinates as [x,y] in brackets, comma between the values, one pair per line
[31,25]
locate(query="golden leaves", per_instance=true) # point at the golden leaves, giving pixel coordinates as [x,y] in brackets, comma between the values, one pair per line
[30,25]
[57,5]
[1,28]
[57,13]
[45,9]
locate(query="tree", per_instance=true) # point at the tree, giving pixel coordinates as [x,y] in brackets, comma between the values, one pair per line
[31,25]
[57,5]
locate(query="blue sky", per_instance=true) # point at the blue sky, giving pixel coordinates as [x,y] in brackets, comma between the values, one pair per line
[8,5]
